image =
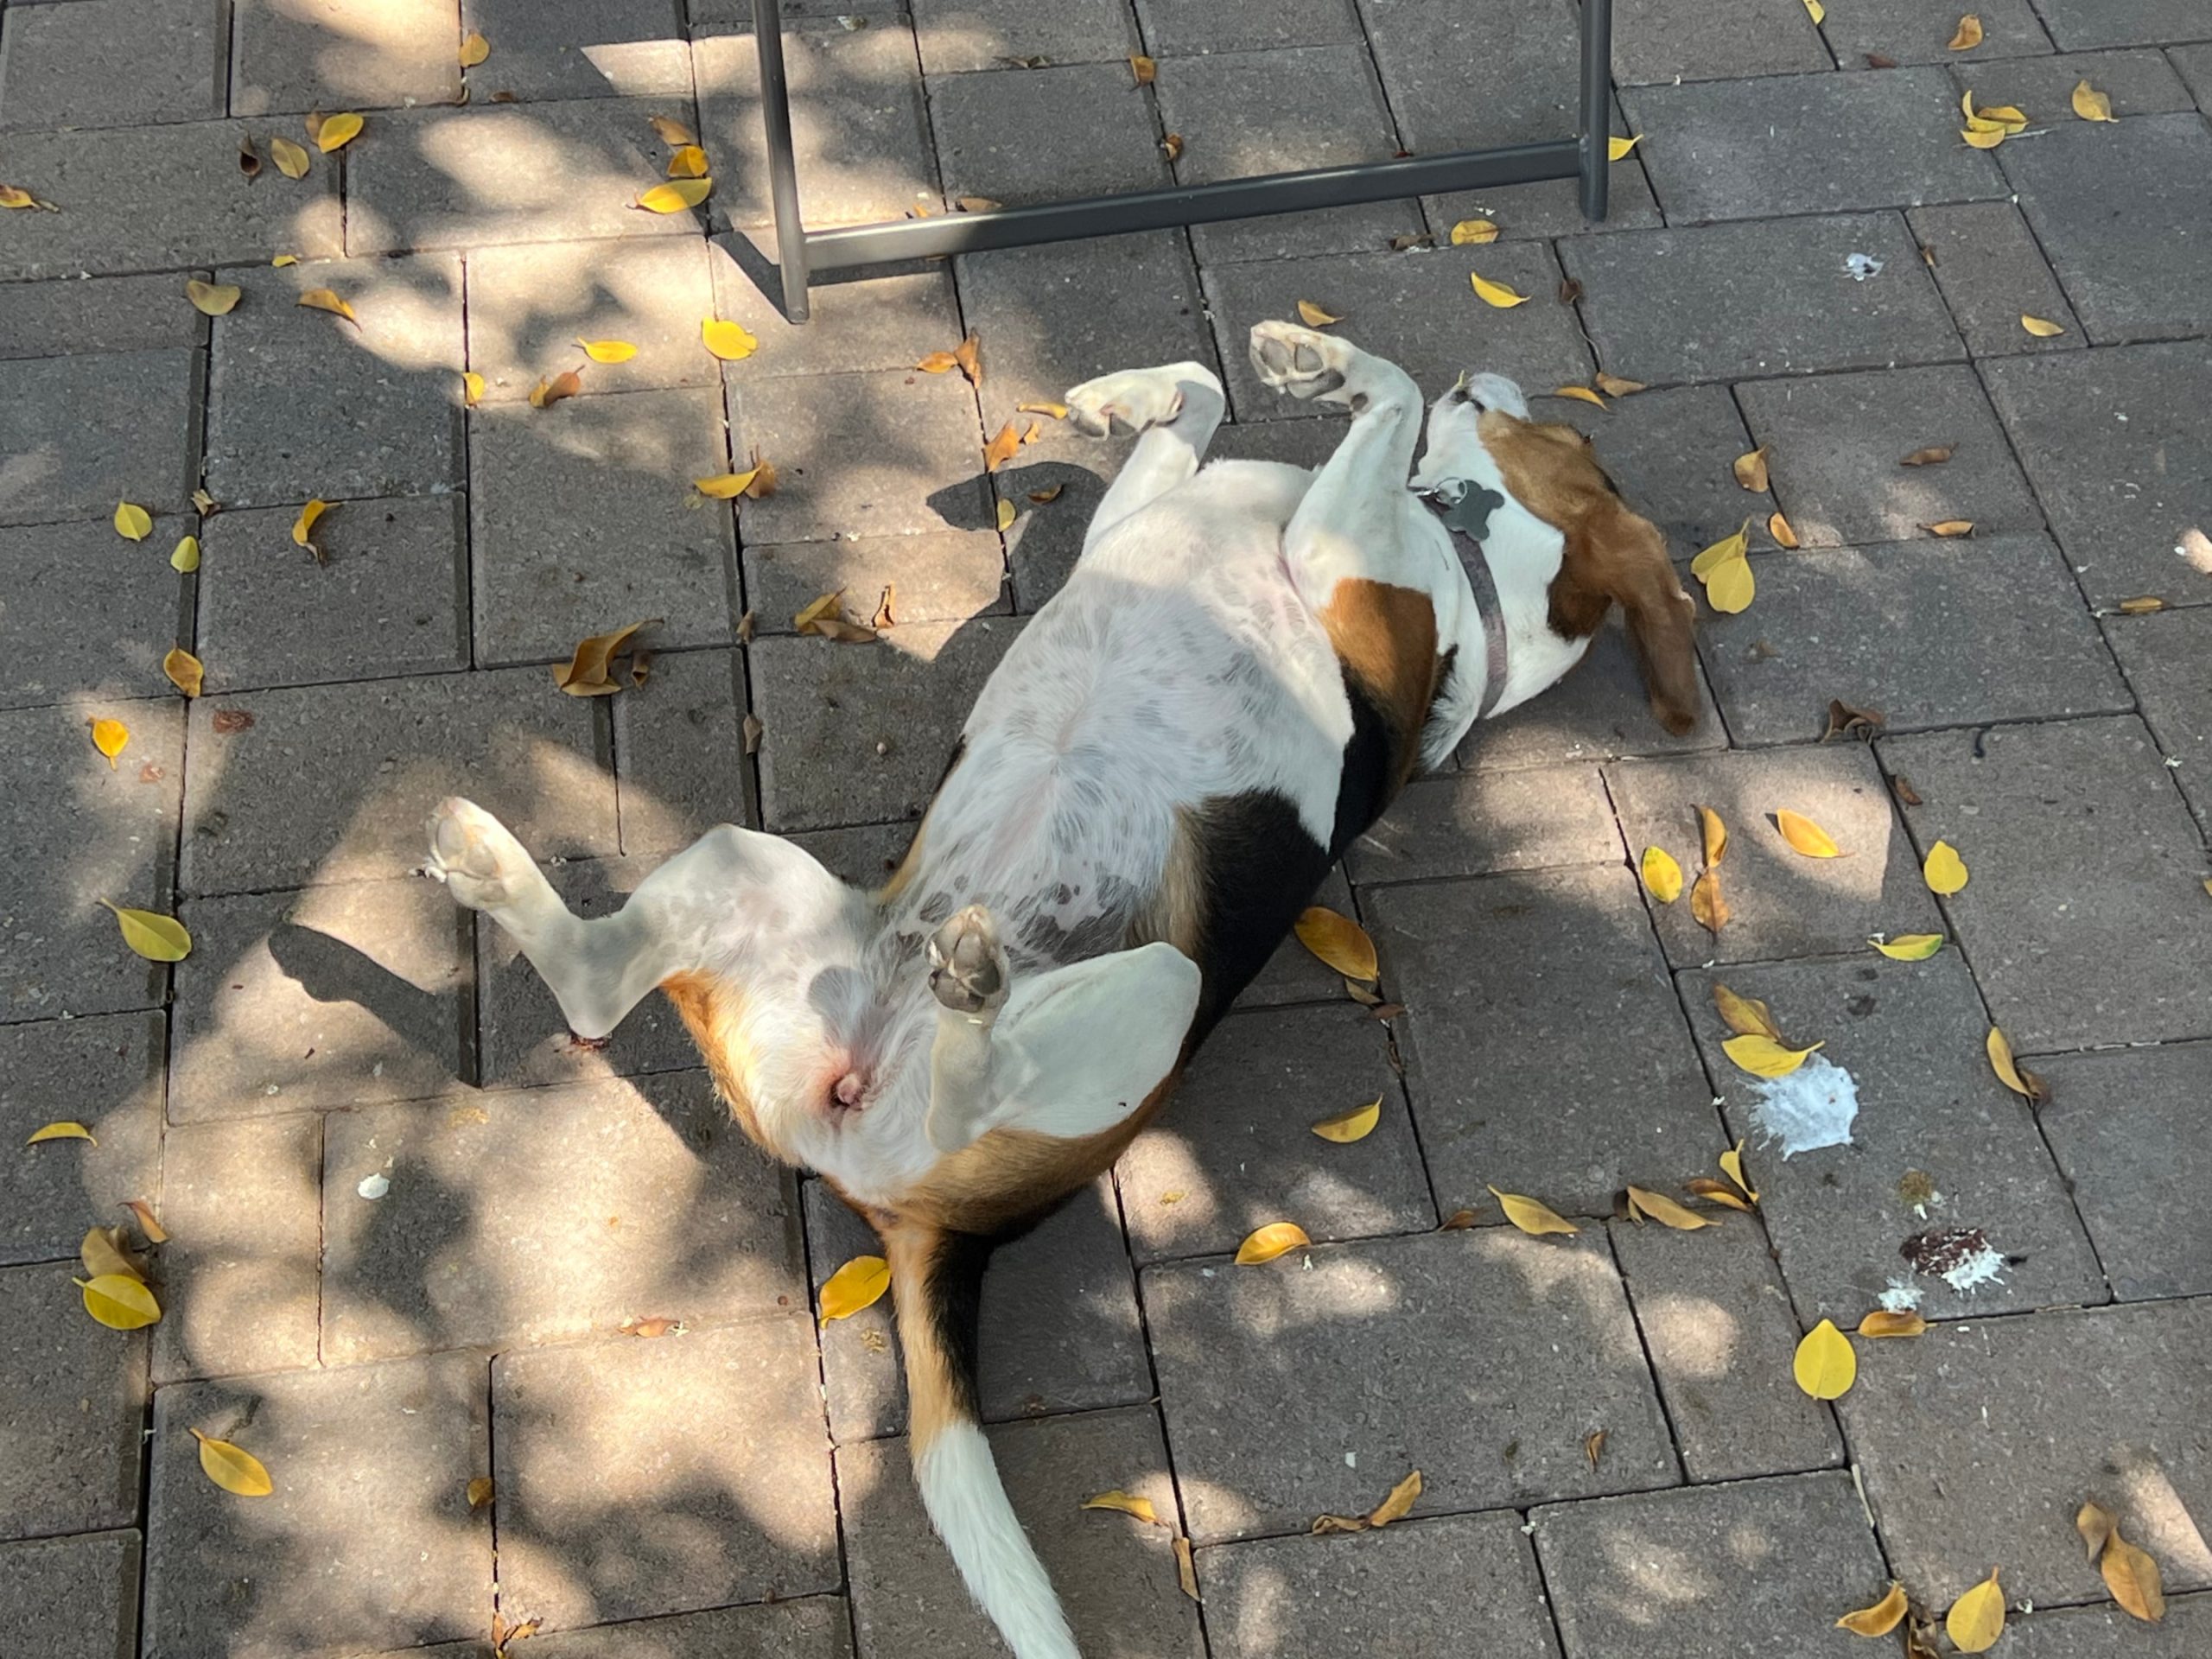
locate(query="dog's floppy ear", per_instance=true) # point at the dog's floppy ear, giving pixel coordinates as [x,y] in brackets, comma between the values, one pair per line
[1077,1050]
[1614,554]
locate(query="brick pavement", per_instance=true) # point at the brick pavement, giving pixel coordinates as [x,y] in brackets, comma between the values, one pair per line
[739,1488]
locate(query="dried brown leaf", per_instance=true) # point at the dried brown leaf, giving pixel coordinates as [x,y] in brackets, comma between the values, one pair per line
[1399,1504]
[550,391]
[1935,455]
[1614,386]
[1003,448]
[1750,470]
[1707,908]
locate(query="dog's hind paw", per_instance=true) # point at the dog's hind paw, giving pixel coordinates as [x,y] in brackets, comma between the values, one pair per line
[1133,399]
[1299,362]
[968,966]
[477,857]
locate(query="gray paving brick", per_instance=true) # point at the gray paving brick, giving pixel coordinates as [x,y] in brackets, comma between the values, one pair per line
[2075,24]
[159,198]
[303,404]
[1060,1327]
[1799,144]
[523,1039]
[1929,632]
[861,734]
[880,322]
[1389,302]
[133,424]
[1045,539]
[482,176]
[530,304]
[2139,82]
[680,766]
[1114,1575]
[551,490]
[2014,1422]
[1992,274]
[864,855]
[1779,903]
[1720,1547]
[1722,42]
[753,1519]
[2194,65]
[1910,1035]
[811,1627]
[1294,974]
[1554,207]
[1599,712]
[1906,32]
[105,314]
[582,48]
[73,1598]
[2107,1633]
[858,125]
[366,1537]
[1496,974]
[1454,1584]
[1268,1383]
[2164,656]
[1184,27]
[1248,113]
[84,833]
[1463,77]
[889,453]
[112,63]
[510,740]
[2121,210]
[988,124]
[1836,443]
[72,1396]
[1478,824]
[335,996]
[1668,452]
[2129,1131]
[55,646]
[1237,1150]
[645,1202]
[243,1267]
[962,34]
[388,599]
[1718,1325]
[295,55]
[944,576]
[2081,916]
[2120,454]
[1758,299]
[104,1072]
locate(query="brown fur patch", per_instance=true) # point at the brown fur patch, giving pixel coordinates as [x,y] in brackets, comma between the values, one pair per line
[1176,910]
[713,1010]
[1385,636]
[933,1392]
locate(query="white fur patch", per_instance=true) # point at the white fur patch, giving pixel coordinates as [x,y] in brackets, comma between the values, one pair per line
[968,1506]
[1813,1107]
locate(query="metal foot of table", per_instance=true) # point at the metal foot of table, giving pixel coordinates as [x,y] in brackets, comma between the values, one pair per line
[802,253]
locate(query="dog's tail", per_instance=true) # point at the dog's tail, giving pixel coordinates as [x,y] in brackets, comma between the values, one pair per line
[937,1276]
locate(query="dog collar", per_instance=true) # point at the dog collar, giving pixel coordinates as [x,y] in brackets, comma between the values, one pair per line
[1463,507]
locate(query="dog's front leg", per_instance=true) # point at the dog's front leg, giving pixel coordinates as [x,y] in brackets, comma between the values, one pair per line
[1175,407]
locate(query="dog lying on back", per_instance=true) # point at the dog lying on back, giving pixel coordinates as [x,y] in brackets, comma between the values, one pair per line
[1248,663]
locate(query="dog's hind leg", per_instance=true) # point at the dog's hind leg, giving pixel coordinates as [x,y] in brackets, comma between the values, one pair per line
[1175,409]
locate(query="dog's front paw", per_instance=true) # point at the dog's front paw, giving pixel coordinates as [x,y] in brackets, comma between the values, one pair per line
[1132,399]
[1299,362]
[968,967]
[476,857]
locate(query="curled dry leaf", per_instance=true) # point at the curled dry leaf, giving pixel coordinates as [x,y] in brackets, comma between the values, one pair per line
[1618,149]
[676,196]
[471,388]
[968,354]
[2023,1082]
[1473,232]
[2132,1576]
[1662,876]
[1879,1619]
[184,558]
[1399,1504]
[2090,104]
[184,670]
[1659,1207]
[205,504]
[1824,1365]
[213,299]
[1778,527]
[1313,316]
[588,673]
[1051,411]
[550,390]
[1354,1125]
[1762,1056]
[1613,386]
[323,299]
[608,351]
[1713,835]
[1458,1222]
[1143,68]
[1365,996]
[1844,720]
[860,1283]
[1745,1015]
[155,937]
[149,1224]
[1172,143]
[1006,514]
[62,1131]
[2041,328]
[1910,947]
[1708,907]
[1805,836]
[119,1302]
[1883,1323]
[1750,470]
[1935,455]
[1043,497]
[2096,1524]
[1339,941]
[108,737]
[1593,1445]
[2143,606]
[233,1468]
[1495,294]
[1582,394]
[1266,1243]
[725,486]
[1967,37]
[475,48]
[1732,1166]
[1186,1568]
[1530,1216]
[1950,529]
[687,161]
[481,1491]
[303,526]
[1943,869]
[337,132]
[1986,138]
[1126,1504]
[1005,444]
[249,158]
[13,195]
[886,608]
[939,363]
[1977,1618]
[659,1325]
[670,130]
[132,522]
[1713,1191]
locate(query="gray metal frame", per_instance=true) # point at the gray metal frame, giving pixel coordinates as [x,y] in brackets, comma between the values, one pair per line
[801,252]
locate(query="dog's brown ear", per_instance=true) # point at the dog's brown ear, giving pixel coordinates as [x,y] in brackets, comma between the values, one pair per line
[1660,621]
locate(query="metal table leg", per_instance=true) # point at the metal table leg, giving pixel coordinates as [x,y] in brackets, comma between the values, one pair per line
[782,169]
[1597,105]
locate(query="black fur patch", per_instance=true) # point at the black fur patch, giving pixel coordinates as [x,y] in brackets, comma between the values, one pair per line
[1372,776]
[1260,868]
[954,1296]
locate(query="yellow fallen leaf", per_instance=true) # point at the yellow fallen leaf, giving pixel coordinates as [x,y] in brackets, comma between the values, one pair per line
[1005,444]
[728,340]
[2143,605]
[689,162]
[1531,1216]
[1967,37]
[1662,876]
[1816,11]
[284,259]
[133,522]
[13,195]
[1172,143]
[1143,68]
[1750,470]
[1884,1615]
[1704,1187]
[1496,293]
[292,160]
[1950,528]
[2090,104]
[156,937]
[1745,1015]
[1313,316]
[1999,1050]
[1730,586]
[2133,1578]
[211,299]
[102,1253]
[1762,1056]
[1186,1568]
[608,351]
[1985,139]
[1708,907]
[2013,121]
[471,388]
[475,48]
[1778,527]
[1910,947]
[1399,1504]
[553,389]
[235,1470]
[337,132]
[147,1222]
[110,735]
[1005,514]
[2041,328]
[119,1303]
[1977,1618]
[1045,497]
[63,1131]
[860,1283]
[2096,1524]
[185,557]
[1804,836]
[1617,149]
[670,130]
[1126,1504]
[587,673]
[481,1491]
[303,526]
[725,486]
[968,354]
[1354,1125]
[1583,393]
[1883,1323]
[1943,869]
[1732,1163]
[1339,941]
[1473,232]
[1712,834]
[1664,1210]
[322,299]
[1266,1243]
[676,195]
[1054,411]
[1728,547]
[1614,386]
[1824,1365]
[186,672]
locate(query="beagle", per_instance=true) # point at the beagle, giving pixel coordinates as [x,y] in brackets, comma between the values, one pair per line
[1248,663]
